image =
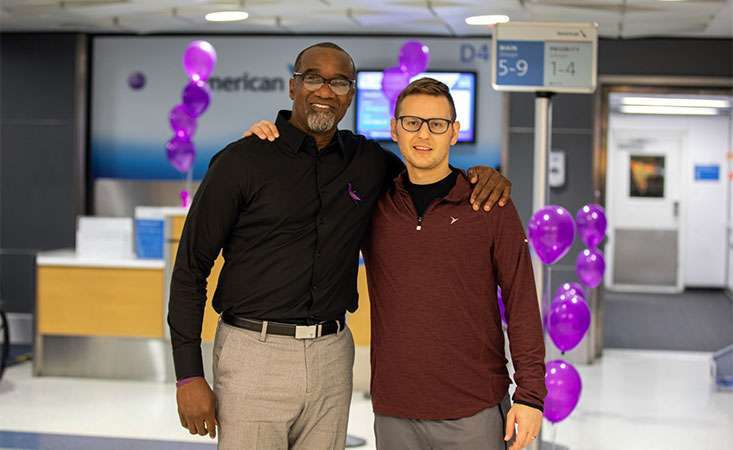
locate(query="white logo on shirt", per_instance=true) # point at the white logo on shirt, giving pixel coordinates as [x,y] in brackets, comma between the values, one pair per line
[453,220]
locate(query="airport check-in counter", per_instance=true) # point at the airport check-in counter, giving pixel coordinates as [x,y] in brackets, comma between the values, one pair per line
[106,318]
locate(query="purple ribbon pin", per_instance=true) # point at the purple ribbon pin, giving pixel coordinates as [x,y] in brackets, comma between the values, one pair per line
[353,195]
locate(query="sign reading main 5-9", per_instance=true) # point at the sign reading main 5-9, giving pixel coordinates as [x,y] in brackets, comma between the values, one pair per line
[543,56]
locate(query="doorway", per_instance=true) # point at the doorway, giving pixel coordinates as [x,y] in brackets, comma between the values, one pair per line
[668,191]
[643,201]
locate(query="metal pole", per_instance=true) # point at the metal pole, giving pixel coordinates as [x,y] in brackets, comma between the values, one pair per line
[542,135]
[542,138]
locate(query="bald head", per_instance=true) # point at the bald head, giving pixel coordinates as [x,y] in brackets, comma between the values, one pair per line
[330,45]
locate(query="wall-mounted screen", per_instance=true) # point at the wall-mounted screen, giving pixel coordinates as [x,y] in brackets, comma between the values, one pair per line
[372,107]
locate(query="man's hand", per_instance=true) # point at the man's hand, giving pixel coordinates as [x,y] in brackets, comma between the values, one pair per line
[196,407]
[264,129]
[528,420]
[490,187]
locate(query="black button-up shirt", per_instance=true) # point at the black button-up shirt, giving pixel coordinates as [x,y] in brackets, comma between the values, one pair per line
[289,219]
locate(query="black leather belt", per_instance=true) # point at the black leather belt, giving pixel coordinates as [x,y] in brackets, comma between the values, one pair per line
[285,329]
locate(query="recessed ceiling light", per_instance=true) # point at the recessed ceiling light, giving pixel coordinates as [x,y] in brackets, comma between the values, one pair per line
[667,101]
[226,16]
[676,110]
[486,20]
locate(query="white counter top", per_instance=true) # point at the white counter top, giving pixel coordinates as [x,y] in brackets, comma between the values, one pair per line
[69,258]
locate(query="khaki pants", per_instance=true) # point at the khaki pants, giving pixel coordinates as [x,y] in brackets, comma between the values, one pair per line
[277,392]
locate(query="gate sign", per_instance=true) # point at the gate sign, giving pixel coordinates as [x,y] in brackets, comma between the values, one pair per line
[545,56]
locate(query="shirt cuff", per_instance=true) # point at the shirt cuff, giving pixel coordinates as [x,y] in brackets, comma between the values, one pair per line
[188,361]
[186,380]
[531,405]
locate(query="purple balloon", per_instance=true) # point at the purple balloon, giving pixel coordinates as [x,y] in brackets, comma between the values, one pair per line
[563,390]
[551,232]
[568,321]
[502,311]
[180,153]
[196,98]
[136,80]
[414,56]
[570,289]
[589,266]
[199,60]
[181,122]
[394,80]
[392,106]
[591,222]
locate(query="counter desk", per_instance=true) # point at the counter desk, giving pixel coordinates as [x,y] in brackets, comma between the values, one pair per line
[106,318]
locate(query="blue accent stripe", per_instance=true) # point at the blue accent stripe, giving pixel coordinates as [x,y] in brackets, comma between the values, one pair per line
[42,441]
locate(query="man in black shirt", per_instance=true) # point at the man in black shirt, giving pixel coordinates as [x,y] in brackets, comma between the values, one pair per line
[289,216]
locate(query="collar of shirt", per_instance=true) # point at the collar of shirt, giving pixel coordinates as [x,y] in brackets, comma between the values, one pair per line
[296,140]
[459,193]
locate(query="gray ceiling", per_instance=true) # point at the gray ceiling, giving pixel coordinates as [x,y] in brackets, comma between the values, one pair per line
[616,18]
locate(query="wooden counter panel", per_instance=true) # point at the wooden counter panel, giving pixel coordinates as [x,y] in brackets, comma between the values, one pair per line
[359,322]
[84,301]
[176,228]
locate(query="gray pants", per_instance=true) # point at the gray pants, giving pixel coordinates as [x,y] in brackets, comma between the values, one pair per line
[482,431]
[277,392]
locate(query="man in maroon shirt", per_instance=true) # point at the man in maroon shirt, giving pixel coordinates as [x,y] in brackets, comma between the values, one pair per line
[439,377]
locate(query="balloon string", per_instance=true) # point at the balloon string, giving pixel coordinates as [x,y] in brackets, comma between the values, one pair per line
[186,192]
[547,301]
[548,290]
[189,180]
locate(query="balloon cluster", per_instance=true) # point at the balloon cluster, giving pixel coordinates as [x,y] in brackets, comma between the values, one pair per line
[551,232]
[199,60]
[412,60]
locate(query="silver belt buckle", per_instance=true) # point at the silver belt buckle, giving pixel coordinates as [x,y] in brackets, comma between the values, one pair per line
[307,331]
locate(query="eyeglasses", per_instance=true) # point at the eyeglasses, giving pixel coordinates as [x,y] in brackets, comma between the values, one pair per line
[436,125]
[313,82]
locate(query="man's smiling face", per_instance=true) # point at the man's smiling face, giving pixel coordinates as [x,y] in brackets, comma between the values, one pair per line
[422,149]
[319,111]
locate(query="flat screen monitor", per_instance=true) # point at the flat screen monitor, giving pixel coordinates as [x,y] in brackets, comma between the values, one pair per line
[372,108]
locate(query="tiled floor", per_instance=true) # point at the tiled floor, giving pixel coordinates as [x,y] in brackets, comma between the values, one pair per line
[631,400]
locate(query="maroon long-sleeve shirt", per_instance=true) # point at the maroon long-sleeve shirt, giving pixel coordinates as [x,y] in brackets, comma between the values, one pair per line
[437,345]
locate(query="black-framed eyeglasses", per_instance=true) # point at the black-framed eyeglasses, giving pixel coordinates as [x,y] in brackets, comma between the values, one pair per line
[313,82]
[436,125]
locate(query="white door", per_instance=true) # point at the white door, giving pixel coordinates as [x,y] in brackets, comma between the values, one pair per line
[643,187]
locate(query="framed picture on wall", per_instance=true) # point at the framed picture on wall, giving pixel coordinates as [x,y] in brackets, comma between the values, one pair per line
[646,177]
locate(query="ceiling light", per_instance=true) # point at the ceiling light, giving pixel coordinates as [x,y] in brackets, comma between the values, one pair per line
[676,110]
[666,101]
[486,20]
[226,16]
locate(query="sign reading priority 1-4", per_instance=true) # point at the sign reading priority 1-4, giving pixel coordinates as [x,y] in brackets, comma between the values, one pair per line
[551,57]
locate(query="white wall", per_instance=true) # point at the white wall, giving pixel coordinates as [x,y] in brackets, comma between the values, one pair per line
[730,205]
[129,128]
[705,203]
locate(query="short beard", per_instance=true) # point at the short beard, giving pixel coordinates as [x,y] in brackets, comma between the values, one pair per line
[320,122]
